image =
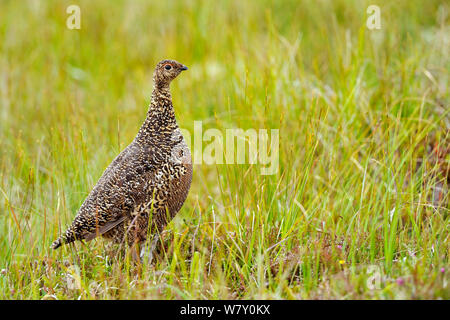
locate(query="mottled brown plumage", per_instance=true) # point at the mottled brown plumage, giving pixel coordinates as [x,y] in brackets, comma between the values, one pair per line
[147,183]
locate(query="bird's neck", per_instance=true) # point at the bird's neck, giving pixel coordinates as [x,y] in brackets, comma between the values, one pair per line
[160,122]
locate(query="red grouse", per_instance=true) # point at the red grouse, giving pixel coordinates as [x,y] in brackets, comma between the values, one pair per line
[146,184]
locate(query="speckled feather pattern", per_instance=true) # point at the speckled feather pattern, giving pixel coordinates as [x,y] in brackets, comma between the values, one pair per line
[147,183]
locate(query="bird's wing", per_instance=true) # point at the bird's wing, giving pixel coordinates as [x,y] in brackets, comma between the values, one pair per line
[103,229]
[118,190]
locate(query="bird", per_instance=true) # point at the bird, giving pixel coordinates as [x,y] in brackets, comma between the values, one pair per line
[146,185]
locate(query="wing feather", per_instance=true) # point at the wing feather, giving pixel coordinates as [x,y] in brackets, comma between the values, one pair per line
[103,229]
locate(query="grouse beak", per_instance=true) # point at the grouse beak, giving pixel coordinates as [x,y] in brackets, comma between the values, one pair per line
[183,68]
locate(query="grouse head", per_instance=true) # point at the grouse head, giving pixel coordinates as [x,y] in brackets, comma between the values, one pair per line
[166,71]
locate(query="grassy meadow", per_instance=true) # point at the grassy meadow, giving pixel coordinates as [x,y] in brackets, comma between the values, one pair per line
[359,206]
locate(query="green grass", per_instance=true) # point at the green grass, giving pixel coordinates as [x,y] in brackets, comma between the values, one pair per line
[364,139]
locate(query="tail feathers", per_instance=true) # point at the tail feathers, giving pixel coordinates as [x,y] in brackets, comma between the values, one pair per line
[56,244]
[67,237]
[87,234]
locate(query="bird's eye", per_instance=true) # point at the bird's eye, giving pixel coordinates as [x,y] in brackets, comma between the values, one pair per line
[168,67]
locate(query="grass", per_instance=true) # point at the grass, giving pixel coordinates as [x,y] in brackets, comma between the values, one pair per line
[359,208]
